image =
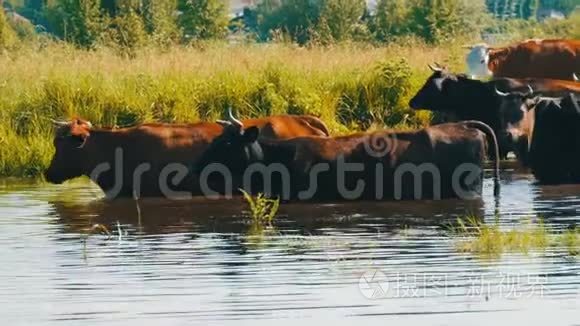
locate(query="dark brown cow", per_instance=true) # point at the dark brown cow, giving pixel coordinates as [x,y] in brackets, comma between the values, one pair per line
[557,59]
[423,164]
[111,157]
[548,139]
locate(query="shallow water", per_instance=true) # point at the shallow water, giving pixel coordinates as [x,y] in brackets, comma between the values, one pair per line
[200,261]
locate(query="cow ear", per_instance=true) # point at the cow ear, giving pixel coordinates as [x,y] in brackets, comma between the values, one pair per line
[435,67]
[251,134]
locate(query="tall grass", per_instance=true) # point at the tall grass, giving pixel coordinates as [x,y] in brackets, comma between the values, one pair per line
[350,87]
[492,240]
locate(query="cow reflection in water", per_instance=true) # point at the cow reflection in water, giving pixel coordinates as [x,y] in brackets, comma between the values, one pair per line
[159,216]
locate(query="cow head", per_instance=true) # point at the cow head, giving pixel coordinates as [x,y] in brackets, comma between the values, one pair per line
[469,99]
[515,119]
[69,141]
[478,61]
[235,148]
[433,95]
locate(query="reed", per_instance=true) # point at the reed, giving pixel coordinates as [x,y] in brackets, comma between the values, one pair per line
[493,240]
[262,210]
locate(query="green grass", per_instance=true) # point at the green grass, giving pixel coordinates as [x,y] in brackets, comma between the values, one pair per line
[262,210]
[493,240]
[351,87]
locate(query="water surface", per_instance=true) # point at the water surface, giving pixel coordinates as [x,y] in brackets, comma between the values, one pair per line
[201,262]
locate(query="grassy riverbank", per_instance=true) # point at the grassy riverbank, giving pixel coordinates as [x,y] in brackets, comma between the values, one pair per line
[351,87]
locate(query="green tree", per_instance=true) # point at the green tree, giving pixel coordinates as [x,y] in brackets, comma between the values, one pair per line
[77,21]
[296,18]
[391,19]
[203,19]
[565,6]
[338,17]
[528,9]
[127,28]
[160,22]
[438,20]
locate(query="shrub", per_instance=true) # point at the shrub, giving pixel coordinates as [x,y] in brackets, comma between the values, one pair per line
[203,19]
[380,95]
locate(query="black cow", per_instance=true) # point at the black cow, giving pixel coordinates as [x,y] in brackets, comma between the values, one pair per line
[430,163]
[549,138]
[497,103]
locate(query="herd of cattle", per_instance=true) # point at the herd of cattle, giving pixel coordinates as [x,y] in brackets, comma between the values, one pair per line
[529,108]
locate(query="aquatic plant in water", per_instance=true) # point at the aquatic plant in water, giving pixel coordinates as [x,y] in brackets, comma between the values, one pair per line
[263,210]
[492,240]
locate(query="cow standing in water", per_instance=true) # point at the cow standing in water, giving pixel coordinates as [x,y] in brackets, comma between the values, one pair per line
[145,159]
[442,161]
[555,59]
[497,103]
[548,138]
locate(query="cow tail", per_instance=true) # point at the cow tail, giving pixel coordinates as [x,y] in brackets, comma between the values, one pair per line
[317,123]
[488,131]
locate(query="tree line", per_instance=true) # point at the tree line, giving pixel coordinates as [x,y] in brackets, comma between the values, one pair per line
[134,23]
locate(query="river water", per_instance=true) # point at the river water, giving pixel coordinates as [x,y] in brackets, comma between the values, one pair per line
[201,262]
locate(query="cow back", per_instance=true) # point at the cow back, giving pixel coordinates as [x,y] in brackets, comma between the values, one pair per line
[558,59]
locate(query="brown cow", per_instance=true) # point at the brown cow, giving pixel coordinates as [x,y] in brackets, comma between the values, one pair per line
[541,86]
[118,159]
[422,164]
[557,59]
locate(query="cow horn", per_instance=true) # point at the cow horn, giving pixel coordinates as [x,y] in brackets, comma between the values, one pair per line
[500,93]
[223,123]
[60,123]
[530,91]
[435,67]
[575,77]
[234,121]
